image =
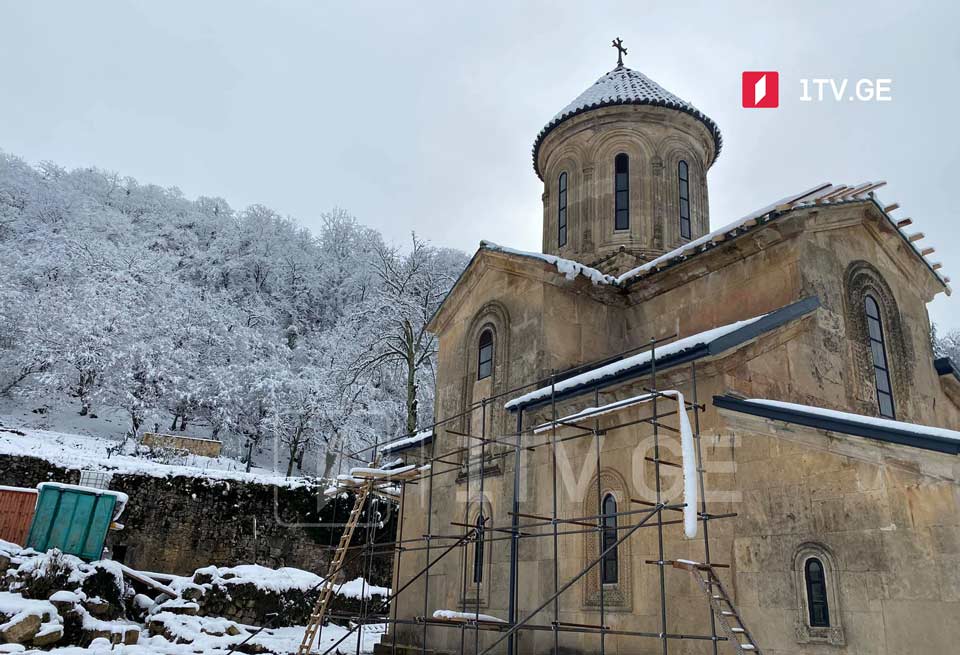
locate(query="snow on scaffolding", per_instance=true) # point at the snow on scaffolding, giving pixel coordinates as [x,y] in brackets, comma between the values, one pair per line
[451,615]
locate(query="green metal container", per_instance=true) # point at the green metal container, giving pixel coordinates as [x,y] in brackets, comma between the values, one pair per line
[74,519]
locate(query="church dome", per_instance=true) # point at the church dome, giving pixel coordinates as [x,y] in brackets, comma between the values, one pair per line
[623,86]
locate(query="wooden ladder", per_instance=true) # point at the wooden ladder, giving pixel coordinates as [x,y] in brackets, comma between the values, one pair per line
[723,608]
[326,590]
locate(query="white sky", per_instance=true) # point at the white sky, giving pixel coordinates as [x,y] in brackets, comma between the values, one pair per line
[421,116]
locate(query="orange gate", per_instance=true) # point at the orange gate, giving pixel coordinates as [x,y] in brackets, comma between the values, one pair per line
[16,513]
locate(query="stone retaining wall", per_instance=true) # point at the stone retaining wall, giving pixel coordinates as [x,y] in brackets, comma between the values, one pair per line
[179,524]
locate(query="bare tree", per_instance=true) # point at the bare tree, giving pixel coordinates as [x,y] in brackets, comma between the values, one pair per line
[411,287]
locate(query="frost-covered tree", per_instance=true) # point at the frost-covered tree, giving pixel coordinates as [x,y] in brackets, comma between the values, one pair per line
[392,324]
[194,317]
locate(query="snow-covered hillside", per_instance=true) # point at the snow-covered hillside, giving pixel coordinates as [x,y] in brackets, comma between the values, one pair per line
[133,304]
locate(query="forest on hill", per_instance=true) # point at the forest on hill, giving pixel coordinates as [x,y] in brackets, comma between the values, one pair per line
[192,317]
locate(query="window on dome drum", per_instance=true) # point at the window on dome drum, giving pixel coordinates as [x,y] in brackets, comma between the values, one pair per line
[683,176]
[816,593]
[562,212]
[478,551]
[621,190]
[608,566]
[878,352]
[485,355]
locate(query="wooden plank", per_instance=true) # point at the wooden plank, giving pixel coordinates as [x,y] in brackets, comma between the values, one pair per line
[145,579]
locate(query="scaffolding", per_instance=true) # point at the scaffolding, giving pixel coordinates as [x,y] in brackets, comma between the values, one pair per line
[655,514]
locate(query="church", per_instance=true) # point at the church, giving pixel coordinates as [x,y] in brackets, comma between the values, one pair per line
[652,437]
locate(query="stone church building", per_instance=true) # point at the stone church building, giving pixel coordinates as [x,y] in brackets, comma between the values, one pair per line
[798,337]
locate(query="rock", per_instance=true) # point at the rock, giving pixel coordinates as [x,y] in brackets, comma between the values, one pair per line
[200,577]
[4,562]
[22,630]
[131,636]
[233,630]
[180,607]
[49,634]
[192,592]
[118,634]
[64,600]
[157,628]
[97,606]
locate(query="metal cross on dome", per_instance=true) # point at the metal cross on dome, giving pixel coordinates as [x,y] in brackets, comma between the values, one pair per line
[621,51]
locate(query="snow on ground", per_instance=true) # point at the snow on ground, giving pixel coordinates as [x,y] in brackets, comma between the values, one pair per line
[279,640]
[175,632]
[78,452]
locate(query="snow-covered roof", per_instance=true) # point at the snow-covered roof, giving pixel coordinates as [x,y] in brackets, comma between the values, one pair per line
[623,86]
[406,443]
[702,344]
[901,432]
[567,267]
[825,194]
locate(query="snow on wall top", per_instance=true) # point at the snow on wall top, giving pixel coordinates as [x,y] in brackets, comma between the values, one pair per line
[624,86]
[76,452]
[871,421]
[568,267]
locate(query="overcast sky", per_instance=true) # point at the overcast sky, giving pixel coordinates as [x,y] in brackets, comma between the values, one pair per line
[419,116]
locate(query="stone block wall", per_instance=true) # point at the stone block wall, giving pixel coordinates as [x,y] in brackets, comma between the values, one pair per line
[179,524]
[193,445]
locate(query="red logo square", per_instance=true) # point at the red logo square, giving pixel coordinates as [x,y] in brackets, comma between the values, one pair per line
[761,89]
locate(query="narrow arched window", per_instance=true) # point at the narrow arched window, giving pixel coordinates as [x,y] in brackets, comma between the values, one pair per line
[816,580]
[608,571]
[878,351]
[562,211]
[621,191]
[478,551]
[485,355]
[683,175]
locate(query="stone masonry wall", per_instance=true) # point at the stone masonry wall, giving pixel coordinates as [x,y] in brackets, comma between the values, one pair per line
[179,524]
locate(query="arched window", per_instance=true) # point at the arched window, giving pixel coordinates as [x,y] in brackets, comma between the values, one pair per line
[485,355]
[684,178]
[478,551]
[621,190]
[816,580]
[608,570]
[562,211]
[881,370]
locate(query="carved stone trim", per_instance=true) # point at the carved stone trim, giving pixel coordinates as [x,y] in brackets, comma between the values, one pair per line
[616,597]
[807,634]
[862,278]
[494,316]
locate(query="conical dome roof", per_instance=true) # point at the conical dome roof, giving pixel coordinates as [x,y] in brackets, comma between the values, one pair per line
[623,86]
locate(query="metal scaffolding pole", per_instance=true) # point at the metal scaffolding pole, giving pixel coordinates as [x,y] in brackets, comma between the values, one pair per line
[598,524]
